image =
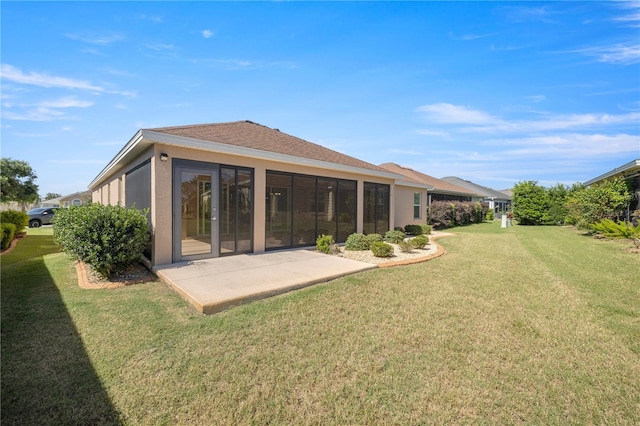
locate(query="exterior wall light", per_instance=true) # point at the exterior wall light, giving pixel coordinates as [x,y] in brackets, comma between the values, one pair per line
[164,156]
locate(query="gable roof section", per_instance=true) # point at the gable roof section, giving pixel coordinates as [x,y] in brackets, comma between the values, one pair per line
[439,186]
[478,189]
[244,138]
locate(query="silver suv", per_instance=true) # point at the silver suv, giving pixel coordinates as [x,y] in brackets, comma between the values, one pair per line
[41,216]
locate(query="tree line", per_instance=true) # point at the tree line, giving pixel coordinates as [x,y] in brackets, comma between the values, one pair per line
[577,205]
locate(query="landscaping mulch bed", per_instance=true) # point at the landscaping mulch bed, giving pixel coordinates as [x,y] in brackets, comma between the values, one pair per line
[88,278]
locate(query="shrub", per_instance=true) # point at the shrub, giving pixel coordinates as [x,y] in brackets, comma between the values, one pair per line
[440,214]
[394,237]
[325,243]
[8,231]
[372,238]
[413,229]
[19,219]
[490,215]
[611,229]
[606,200]
[357,242]
[381,249]
[405,246]
[426,229]
[109,238]
[420,241]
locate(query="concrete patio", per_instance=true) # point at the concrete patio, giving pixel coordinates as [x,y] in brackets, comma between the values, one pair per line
[213,285]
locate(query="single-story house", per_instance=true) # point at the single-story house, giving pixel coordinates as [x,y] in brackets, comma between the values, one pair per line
[631,173]
[241,187]
[499,201]
[75,199]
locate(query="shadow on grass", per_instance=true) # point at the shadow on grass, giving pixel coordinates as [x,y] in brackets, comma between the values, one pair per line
[47,377]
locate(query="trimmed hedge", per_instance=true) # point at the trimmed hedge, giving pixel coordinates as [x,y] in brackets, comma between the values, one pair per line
[394,237]
[356,242]
[380,249]
[420,241]
[445,214]
[19,219]
[109,238]
[413,229]
[8,232]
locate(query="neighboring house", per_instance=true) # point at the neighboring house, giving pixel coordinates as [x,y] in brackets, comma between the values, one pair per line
[75,199]
[631,172]
[411,197]
[499,201]
[241,187]
[439,190]
[51,202]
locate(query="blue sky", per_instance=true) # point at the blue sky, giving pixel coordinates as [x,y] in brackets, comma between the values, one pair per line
[492,92]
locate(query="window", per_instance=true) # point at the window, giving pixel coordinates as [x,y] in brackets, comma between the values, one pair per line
[236,210]
[376,208]
[416,205]
[76,202]
[301,207]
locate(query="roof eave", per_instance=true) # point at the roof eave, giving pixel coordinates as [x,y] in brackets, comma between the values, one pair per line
[630,165]
[134,146]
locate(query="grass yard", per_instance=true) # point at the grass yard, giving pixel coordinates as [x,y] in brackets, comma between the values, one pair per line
[520,325]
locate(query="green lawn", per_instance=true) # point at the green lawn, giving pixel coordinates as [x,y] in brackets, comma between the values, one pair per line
[520,325]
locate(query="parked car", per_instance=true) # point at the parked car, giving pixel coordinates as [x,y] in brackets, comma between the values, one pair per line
[41,216]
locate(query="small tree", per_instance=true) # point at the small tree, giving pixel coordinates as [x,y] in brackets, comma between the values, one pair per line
[607,200]
[17,181]
[557,196]
[52,195]
[530,203]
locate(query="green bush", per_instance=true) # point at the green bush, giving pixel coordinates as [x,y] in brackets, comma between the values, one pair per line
[413,229]
[405,246]
[381,249]
[611,229]
[491,214]
[394,237]
[19,219]
[372,238]
[109,238]
[420,241]
[357,242]
[426,229]
[324,243]
[8,231]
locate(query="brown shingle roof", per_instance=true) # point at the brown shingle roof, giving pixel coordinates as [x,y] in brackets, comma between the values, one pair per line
[251,135]
[439,185]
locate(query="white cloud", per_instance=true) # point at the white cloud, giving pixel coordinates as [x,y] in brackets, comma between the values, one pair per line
[152,18]
[476,121]
[621,54]
[207,33]
[101,41]
[43,111]
[573,145]
[454,114]
[536,98]
[12,73]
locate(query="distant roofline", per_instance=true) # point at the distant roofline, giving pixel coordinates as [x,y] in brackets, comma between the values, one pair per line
[618,170]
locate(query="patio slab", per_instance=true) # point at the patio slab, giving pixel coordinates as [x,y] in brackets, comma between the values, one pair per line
[213,285]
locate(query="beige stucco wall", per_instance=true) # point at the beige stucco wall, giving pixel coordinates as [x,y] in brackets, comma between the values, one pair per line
[404,206]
